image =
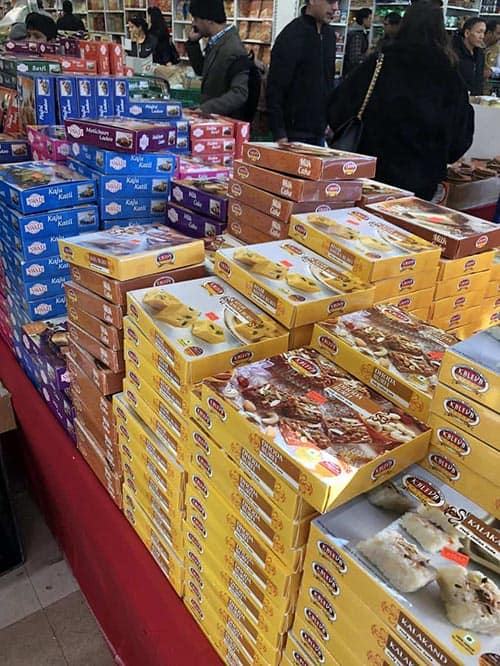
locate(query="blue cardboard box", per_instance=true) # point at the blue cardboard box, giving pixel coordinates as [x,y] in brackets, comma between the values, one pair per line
[45,308]
[110,187]
[109,162]
[43,186]
[63,222]
[104,97]
[110,209]
[38,270]
[87,97]
[37,99]
[49,288]
[146,109]
[13,150]
[120,97]
[109,224]
[67,97]
[193,224]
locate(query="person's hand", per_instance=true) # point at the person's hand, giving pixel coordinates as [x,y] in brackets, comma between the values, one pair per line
[194,35]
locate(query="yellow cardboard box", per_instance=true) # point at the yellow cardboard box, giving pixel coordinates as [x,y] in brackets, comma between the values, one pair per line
[297,657]
[458,319]
[459,476]
[457,268]
[446,307]
[237,407]
[419,617]
[390,350]
[297,287]
[462,285]
[411,302]
[495,268]
[211,506]
[122,255]
[363,243]
[228,332]
[300,337]
[470,415]
[401,286]
[155,380]
[493,289]
[173,446]
[472,368]
[421,313]
[482,459]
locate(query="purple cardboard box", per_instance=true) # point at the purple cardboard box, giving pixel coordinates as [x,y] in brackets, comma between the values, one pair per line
[45,341]
[122,134]
[207,197]
[193,224]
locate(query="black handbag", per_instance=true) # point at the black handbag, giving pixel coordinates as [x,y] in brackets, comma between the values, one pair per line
[348,136]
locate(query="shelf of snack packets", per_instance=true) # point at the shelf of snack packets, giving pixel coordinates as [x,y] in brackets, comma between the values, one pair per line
[285,404]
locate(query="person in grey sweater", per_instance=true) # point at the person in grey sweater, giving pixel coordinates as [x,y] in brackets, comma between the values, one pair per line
[224,66]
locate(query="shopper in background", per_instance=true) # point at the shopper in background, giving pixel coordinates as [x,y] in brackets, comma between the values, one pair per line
[492,53]
[224,66]
[40,28]
[165,50]
[357,42]
[143,44]
[418,119]
[392,23]
[302,75]
[469,47]
[42,10]
[68,22]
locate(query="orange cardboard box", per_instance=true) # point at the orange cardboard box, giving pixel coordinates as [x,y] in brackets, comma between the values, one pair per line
[107,334]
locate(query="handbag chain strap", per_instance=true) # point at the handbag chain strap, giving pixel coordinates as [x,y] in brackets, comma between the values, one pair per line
[371,87]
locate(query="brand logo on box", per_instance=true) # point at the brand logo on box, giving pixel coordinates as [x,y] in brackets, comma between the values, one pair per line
[241,357]
[408,263]
[327,342]
[144,142]
[470,378]
[423,491]
[194,540]
[329,552]
[165,258]
[461,410]
[75,131]
[204,464]
[113,208]
[304,366]
[33,227]
[333,190]
[300,230]
[253,154]
[236,228]
[43,309]
[317,623]
[383,468]
[37,248]
[35,200]
[336,306]
[453,440]
[177,193]
[225,268]
[114,186]
[135,110]
[350,168]
[134,379]
[311,643]
[444,464]
[236,189]
[197,505]
[163,281]
[201,442]
[117,163]
[35,270]
[173,215]
[319,599]
[200,485]
[217,408]
[237,209]
[406,284]
[38,289]
[195,560]
[482,241]
[203,416]
[299,659]
[243,172]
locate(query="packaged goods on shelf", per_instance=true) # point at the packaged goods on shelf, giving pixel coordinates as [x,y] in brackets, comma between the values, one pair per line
[131,252]
[390,350]
[310,162]
[322,472]
[368,245]
[363,553]
[296,188]
[112,163]
[296,286]
[191,223]
[457,234]
[206,196]
[123,134]
[29,65]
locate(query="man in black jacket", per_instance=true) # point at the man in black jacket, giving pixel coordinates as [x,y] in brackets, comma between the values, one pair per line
[302,73]
[469,47]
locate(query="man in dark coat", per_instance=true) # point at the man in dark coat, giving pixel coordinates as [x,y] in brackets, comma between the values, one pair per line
[224,67]
[302,74]
[68,21]
[356,45]
[469,47]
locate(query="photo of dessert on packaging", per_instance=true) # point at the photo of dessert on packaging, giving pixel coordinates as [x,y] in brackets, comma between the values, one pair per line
[129,252]
[368,245]
[204,326]
[472,367]
[425,559]
[12,149]
[206,196]
[294,285]
[296,189]
[122,134]
[389,349]
[113,163]
[324,433]
[191,223]
[43,186]
[311,162]
[457,233]
[373,192]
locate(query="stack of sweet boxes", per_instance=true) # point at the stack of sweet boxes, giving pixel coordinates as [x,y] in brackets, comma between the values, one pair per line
[213,141]
[104,266]
[269,185]
[272,443]
[176,335]
[198,208]
[490,310]
[466,260]
[465,416]
[129,161]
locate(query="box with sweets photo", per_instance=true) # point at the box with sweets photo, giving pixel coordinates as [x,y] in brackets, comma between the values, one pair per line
[13,150]
[50,142]
[193,224]
[112,163]
[153,109]
[37,99]
[205,196]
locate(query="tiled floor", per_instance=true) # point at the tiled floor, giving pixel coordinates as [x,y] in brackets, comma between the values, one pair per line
[44,618]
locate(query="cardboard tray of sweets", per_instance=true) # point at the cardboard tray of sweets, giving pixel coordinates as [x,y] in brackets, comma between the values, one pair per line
[131,252]
[296,286]
[374,542]
[456,233]
[309,443]
[391,350]
[293,188]
[310,162]
[363,243]
[227,331]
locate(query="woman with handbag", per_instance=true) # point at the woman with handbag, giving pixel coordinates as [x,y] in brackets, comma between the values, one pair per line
[407,106]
